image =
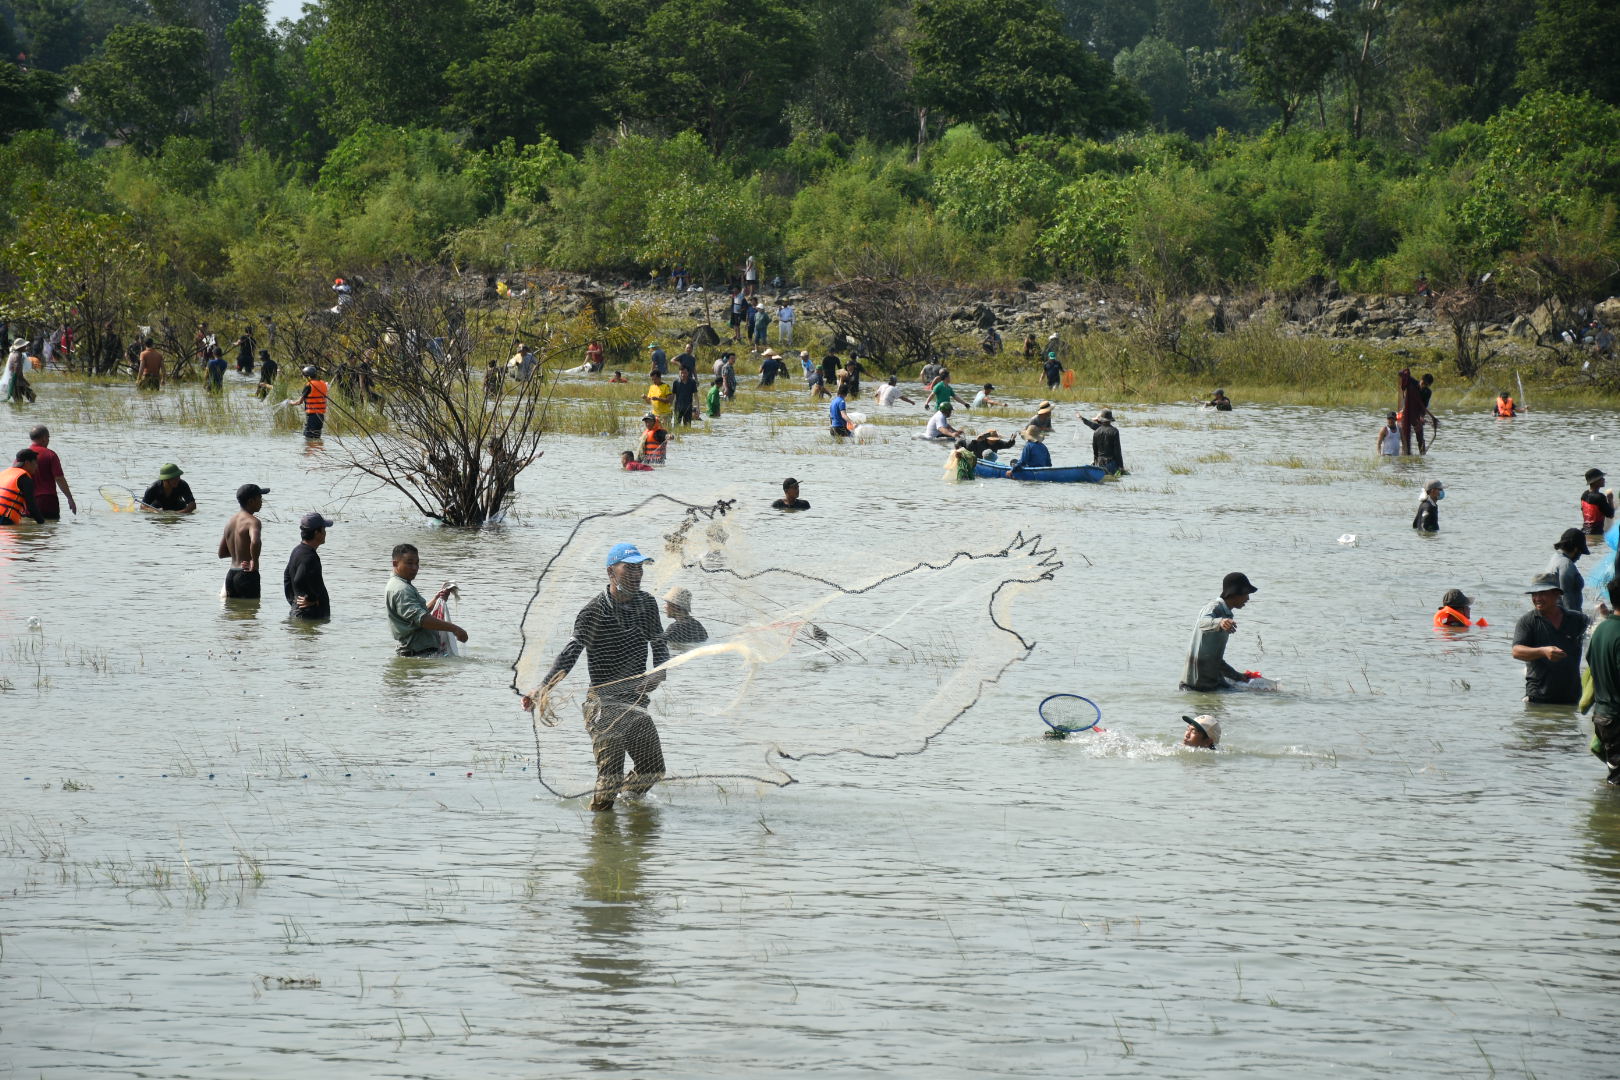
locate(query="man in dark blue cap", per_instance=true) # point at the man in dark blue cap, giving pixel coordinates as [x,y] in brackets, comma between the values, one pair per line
[615,631]
[301,581]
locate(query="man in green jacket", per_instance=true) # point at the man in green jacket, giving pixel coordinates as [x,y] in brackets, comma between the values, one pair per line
[1603,660]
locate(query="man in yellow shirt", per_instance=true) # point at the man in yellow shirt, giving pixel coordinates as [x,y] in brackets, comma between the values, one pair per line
[660,398]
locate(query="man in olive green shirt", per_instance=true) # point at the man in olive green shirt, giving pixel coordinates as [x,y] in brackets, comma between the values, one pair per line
[409,621]
[1603,660]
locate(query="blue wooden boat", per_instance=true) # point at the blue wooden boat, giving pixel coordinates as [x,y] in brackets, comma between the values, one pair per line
[1059,474]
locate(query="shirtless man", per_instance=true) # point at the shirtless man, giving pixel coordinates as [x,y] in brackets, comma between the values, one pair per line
[241,542]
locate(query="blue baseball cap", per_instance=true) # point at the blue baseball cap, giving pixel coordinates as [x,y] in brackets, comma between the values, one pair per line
[625,553]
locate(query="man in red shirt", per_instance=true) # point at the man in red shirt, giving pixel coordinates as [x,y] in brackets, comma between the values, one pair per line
[49,477]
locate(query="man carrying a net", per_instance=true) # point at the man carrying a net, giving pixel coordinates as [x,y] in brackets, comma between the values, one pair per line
[615,631]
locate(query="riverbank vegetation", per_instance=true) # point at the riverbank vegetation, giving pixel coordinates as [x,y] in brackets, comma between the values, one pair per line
[1155,148]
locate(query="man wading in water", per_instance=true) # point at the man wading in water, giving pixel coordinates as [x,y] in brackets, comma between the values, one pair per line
[241,544]
[1207,668]
[615,631]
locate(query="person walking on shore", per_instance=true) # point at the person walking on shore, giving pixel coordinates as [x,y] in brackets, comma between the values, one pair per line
[784,323]
[49,477]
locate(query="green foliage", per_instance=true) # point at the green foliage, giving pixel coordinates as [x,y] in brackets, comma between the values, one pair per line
[710,226]
[1573,47]
[145,85]
[858,205]
[989,195]
[27,99]
[1087,235]
[1007,66]
[533,78]
[1159,70]
[384,61]
[717,67]
[70,263]
[601,215]
[1543,157]
[1288,57]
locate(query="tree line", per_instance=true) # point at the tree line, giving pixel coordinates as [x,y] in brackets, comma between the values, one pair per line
[1183,145]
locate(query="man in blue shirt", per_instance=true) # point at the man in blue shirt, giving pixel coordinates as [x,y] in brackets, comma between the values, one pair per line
[838,413]
[1034,455]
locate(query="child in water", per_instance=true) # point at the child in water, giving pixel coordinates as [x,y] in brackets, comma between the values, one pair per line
[628,462]
[714,397]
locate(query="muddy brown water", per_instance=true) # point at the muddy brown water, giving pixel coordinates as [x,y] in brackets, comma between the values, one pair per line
[232,846]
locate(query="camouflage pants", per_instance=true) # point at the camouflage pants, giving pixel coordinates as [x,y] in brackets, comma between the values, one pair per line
[618,728]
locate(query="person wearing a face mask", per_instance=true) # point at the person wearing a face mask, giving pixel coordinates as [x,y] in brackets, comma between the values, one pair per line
[1428,511]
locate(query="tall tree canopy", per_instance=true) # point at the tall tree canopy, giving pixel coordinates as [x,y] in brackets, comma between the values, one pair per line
[1007,66]
[384,61]
[145,85]
[720,68]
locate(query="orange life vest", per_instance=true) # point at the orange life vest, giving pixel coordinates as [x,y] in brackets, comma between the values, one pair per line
[12,504]
[1504,407]
[1442,617]
[316,401]
[653,442]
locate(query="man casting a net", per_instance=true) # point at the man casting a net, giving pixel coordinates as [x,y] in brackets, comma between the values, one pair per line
[615,630]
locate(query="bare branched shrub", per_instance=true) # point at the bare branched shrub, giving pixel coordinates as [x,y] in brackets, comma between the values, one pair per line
[1467,307]
[896,317]
[424,401]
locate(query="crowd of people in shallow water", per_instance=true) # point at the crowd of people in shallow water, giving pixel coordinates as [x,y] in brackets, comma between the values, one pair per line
[1548,639]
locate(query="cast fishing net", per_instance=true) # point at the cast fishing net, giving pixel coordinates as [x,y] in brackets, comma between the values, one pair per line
[778,650]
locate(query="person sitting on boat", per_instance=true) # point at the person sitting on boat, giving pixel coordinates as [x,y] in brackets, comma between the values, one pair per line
[988,442]
[939,425]
[1034,455]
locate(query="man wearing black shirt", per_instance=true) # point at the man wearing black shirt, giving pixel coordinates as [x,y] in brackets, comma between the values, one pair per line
[301,581]
[790,497]
[169,493]
[1105,449]
[615,632]
[1548,641]
[685,361]
[685,390]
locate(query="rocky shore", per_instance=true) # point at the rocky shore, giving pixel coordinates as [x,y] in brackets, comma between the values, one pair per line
[1043,308]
